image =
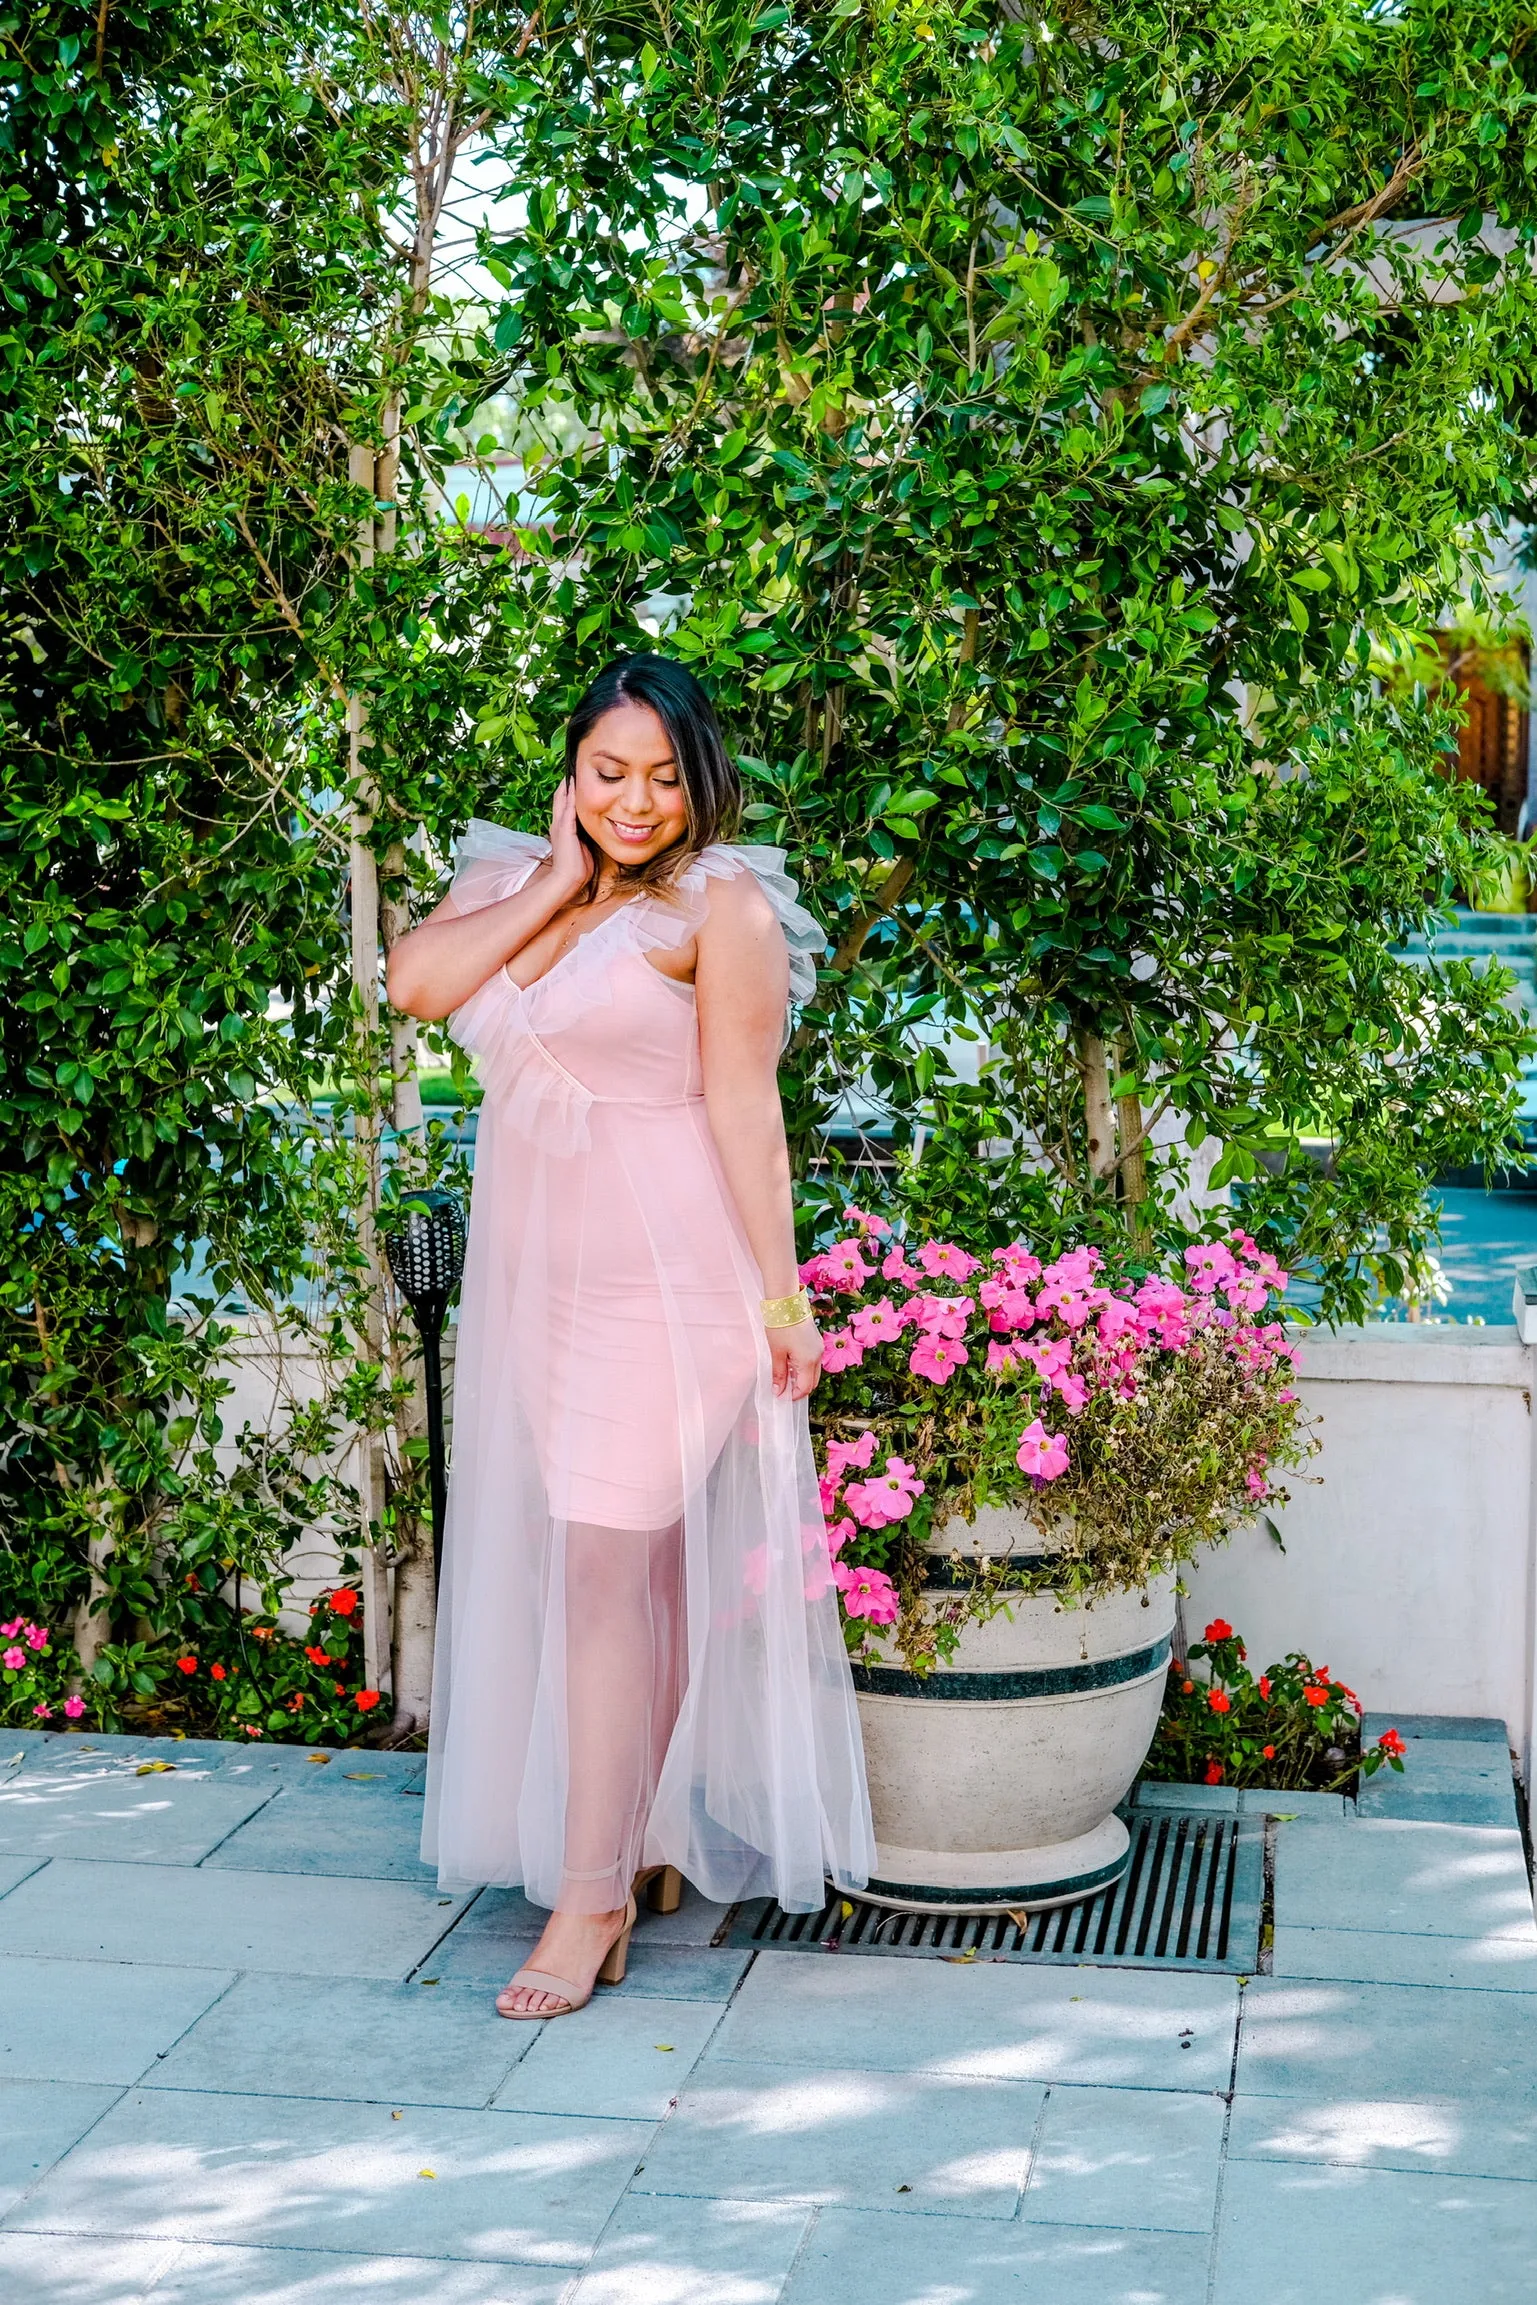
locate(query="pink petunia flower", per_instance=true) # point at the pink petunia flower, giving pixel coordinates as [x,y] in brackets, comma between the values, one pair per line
[839,1534]
[1049,1356]
[73,1708]
[895,1267]
[1209,1263]
[878,1324]
[1001,1358]
[841,1455]
[942,1260]
[885,1497]
[867,1593]
[43,1712]
[843,1266]
[9,1632]
[1071,1390]
[1040,1453]
[14,1659]
[872,1228]
[937,1358]
[942,1316]
[900,1471]
[1116,1320]
[841,1350]
[37,1636]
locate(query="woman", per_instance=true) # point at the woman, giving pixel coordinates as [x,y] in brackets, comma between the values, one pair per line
[639,1662]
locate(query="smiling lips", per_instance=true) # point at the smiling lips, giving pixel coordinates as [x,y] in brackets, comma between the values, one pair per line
[638,833]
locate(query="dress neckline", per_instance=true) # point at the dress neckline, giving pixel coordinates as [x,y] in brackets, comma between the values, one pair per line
[572,949]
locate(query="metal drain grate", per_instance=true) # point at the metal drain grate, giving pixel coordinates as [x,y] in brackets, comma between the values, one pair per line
[1189,1898]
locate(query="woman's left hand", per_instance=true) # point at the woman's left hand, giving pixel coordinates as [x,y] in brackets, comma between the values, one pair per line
[797,1357]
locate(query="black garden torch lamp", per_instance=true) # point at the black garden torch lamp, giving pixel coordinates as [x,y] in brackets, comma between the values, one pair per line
[426,1253]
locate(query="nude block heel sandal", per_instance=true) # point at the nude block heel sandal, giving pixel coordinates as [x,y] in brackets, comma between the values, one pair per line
[610,1972]
[663,1885]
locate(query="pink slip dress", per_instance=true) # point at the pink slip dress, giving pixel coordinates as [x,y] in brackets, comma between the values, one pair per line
[638,1657]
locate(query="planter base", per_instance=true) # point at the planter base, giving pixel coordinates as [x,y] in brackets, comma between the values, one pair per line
[999,1880]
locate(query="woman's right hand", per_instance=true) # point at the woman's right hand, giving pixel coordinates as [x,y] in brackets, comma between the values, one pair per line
[570,864]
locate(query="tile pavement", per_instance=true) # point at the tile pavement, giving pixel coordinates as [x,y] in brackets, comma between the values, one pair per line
[248,2057]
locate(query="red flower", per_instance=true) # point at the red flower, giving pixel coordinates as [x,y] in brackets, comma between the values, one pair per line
[1214,1772]
[186,1664]
[1220,1701]
[1264,1685]
[1186,1688]
[296,1701]
[1316,1696]
[1218,1630]
[216,1672]
[317,1656]
[344,1600]
[340,1688]
[366,1699]
[1270,1752]
[1391,1742]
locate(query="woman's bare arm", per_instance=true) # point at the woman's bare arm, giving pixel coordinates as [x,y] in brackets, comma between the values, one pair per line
[742,982]
[436,967]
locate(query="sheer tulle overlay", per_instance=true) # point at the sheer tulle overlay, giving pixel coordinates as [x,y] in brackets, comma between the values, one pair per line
[638,1655]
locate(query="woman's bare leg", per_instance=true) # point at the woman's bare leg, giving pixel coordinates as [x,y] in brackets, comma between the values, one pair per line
[624,1677]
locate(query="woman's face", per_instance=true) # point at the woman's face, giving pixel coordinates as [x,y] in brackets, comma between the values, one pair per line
[629,790]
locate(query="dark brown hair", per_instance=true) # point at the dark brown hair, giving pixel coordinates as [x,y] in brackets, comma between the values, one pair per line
[712,789]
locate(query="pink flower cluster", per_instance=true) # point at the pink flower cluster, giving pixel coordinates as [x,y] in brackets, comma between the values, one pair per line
[1058,1327]
[872,1503]
[26,1643]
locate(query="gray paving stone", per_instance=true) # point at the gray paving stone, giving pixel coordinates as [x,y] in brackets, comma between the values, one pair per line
[202,2275]
[1122,2027]
[1416,1728]
[1127,2157]
[1451,1764]
[616,2056]
[39,2121]
[1492,2139]
[14,1870]
[98,2020]
[367,1832]
[1366,1956]
[1275,1801]
[349,2037]
[66,2269]
[1380,1874]
[912,2142]
[158,1820]
[663,2250]
[200,1918]
[299,2173]
[1220,1800]
[1390,2041]
[1372,2237]
[855,2258]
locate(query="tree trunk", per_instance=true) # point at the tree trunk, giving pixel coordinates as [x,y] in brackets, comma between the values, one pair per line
[1131,1128]
[1098,1112]
[92,1628]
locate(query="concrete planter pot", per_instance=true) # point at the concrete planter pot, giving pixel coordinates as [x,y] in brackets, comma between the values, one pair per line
[994,1779]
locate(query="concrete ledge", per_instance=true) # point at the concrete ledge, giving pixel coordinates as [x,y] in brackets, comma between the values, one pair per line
[1414,1353]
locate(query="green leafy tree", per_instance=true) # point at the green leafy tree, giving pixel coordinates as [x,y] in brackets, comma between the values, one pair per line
[1032,428]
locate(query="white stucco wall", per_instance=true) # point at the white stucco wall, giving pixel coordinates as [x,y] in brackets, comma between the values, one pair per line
[1409,1555]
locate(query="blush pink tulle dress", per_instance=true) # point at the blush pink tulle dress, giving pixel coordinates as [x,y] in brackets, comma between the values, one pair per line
[638,1656]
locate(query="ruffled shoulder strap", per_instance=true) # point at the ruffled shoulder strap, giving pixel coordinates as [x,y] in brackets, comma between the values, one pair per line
[493,861]
[804,933]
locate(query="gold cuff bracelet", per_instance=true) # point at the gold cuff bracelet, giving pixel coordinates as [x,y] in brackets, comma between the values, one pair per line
[786,1312]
